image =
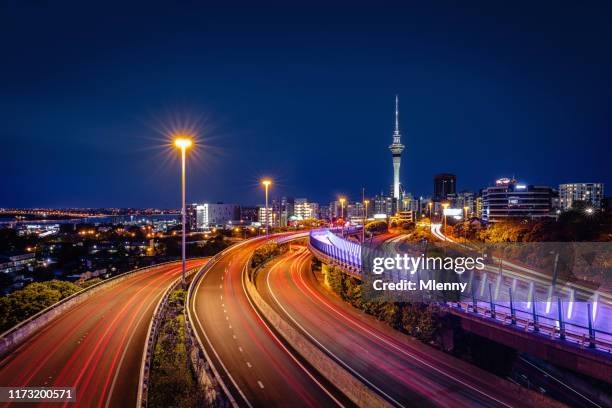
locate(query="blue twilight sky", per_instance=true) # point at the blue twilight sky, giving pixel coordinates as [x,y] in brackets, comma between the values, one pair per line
[301,93]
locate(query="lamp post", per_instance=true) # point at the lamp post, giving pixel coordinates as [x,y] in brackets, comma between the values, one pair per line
[430,204]
[365,217]
[342,200]
[444,207]
[183,143]
[266,183]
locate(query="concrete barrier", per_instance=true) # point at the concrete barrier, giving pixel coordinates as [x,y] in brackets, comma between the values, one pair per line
[351,387]
[151,339]
[13,337]
[207,374]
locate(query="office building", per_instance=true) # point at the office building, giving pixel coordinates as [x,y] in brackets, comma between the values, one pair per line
[303,209]
[444,184]
[508,199]
[588,194]
[201,216]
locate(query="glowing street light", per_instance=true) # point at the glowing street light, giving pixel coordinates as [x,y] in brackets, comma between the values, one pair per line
[183,143]
[342,200]
[589,211]
[266,183]
[444,207]
[465,209]
[429,204]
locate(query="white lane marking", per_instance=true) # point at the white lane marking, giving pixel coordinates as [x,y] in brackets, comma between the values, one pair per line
[230,326]
[240,349]
[129,340]
[220,286]
[226,317]
[234,336]
[197,319]
[559,381]
[410,354]
[278,341]
[249,364]
[260,384]
[322,346]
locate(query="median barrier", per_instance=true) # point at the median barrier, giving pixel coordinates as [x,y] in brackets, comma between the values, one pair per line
[152,332]
[352,388]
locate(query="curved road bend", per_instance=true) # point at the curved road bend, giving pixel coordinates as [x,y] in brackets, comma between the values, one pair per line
[404,371]
[258,369]
[96,346]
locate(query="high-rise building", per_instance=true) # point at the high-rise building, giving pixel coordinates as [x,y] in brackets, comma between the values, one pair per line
[248,214]
[384,205]
[591,194]
[286,210]
[304,210]
[396,151]
[325,213]
[444,184]
[465,199]
[273,216]
[191,217]
[479,205]
[509,199]
[200,216]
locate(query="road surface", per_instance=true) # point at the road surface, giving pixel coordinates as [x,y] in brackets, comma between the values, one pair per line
[258,369]
[96,346]
[402,370]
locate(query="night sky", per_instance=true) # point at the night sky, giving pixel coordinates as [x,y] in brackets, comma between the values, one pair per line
[301,94]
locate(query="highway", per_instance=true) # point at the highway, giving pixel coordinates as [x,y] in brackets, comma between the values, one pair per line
[96,346]
[402,370]
[258,369]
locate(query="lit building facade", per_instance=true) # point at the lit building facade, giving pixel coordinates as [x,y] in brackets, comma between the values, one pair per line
[592,194]
[303,209]
[508,199]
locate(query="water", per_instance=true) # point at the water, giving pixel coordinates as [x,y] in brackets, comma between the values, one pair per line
[107,219]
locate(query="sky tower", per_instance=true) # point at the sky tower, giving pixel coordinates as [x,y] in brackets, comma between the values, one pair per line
[396,150]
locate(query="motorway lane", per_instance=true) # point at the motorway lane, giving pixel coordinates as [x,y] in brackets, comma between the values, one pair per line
[257,367]
[403,370]
[96,346]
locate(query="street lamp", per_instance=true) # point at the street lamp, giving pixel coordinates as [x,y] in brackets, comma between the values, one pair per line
[465,209]
[429,204]
[266,183]
[342,200]
[365,216]
[183,143]
[444,207]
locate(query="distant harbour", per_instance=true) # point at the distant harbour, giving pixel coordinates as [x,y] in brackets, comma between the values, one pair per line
[103,219]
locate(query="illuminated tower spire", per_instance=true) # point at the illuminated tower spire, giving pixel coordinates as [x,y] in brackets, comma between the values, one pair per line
[396,151]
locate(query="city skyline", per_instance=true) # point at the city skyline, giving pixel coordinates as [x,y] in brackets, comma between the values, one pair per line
[515,103]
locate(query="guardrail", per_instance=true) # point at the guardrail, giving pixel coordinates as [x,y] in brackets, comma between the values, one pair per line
[152,332]
[11,338]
